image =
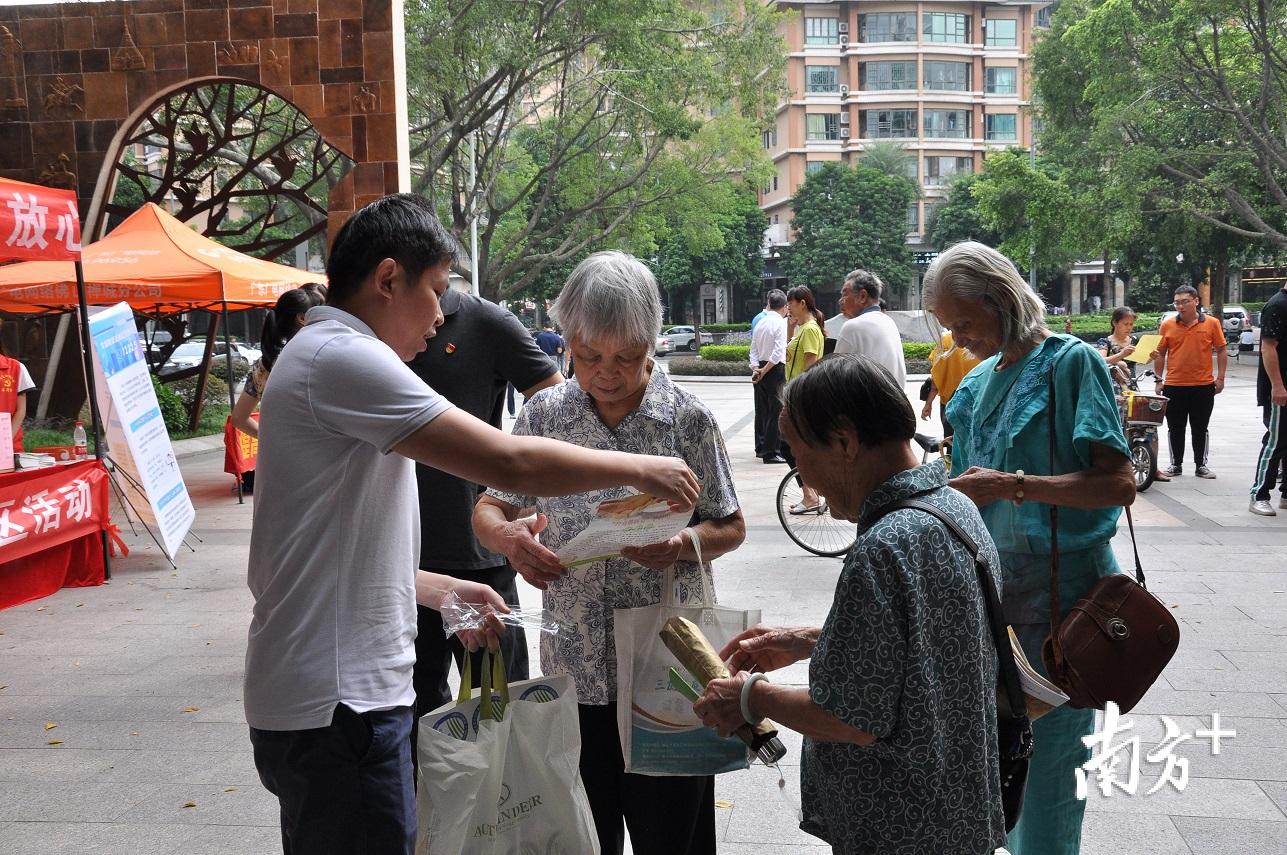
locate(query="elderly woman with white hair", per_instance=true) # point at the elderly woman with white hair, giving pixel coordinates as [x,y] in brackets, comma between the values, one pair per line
[1001,459]
[611,314]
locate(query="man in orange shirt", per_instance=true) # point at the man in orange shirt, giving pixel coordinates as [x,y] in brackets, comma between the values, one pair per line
[1188,339]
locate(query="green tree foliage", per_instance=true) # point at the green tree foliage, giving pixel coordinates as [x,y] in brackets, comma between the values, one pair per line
[958,218]
[847,218]
[595,121]
[1028,208]
[890,158]
[689,257]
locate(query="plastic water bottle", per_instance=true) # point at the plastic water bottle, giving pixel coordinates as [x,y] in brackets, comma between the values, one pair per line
[80,441]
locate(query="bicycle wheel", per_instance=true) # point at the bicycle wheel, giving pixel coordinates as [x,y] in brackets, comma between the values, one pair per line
[1144,462]
[820,532]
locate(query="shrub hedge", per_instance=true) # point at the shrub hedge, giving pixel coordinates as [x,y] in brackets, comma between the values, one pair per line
[709,368]
[726,353]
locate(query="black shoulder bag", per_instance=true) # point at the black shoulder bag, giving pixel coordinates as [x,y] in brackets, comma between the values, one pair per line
[1014,730]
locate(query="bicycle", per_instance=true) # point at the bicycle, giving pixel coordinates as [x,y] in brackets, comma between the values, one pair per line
[819,532]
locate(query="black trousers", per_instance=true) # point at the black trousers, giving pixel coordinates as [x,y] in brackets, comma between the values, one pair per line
[768,406]
[1189,406]
[435,652]
[344,789]
[665,816]
[1273,452]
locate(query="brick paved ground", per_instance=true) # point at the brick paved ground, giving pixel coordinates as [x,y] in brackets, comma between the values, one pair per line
[143,677]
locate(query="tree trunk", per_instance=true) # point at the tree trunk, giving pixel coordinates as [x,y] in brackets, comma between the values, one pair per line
[199,401]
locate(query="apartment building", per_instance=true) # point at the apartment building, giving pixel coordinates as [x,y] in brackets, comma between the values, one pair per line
[946,80]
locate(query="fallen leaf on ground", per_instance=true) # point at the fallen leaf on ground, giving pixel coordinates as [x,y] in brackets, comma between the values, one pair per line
[79,605]
[192,709]
[231,790]
[49,725]
[42,608]
[189,804]
[134,733]
[723,803]
[55,742]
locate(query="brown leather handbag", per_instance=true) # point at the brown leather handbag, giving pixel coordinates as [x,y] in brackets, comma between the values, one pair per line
[1114,643]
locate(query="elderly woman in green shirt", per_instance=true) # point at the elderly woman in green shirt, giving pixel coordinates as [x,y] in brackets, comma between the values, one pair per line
[1001,459]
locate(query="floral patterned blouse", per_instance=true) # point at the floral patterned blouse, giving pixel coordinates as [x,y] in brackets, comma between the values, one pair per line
[669,422]
[906,655]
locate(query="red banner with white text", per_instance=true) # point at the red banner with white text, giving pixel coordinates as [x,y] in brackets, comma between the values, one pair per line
[38,223]
[42,508]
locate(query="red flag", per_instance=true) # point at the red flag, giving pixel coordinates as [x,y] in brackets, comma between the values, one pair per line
[38,223]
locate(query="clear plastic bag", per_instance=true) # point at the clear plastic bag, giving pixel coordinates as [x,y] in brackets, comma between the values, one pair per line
[458,616]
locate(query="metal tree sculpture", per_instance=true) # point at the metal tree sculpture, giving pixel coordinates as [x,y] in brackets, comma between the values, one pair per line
[235,156]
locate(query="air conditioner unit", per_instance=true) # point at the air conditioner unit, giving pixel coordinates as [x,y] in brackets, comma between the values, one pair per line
[844,118]
[844,133]
[842,27]
[844,38]
[844,90]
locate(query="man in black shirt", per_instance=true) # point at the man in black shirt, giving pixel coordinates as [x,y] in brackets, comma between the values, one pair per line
[479,349]
[1271,395]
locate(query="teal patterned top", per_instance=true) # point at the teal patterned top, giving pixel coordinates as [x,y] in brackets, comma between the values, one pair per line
[1002,421]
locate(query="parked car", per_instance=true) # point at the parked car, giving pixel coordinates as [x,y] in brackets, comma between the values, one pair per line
[664,345]
[685,338]
[189,354]
[1236,319]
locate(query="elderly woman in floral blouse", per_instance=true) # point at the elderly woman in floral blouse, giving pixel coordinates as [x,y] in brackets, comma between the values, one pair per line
[620,399]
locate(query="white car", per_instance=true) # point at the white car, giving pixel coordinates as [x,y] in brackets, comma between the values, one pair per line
[685,338]
[1236,319]
[189,354]
[664,345]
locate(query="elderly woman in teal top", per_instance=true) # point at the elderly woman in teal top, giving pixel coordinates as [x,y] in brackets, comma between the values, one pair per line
[1001,413]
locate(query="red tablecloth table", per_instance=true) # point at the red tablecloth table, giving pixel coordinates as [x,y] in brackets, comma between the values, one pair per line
[51,521]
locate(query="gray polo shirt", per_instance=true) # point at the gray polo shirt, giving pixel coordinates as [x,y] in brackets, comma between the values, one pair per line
[335,538]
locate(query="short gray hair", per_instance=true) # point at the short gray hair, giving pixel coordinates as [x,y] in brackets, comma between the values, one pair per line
[974,271]
[865,280]
[610,295]
[776,299]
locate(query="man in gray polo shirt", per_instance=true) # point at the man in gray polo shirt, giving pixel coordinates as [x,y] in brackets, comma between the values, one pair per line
[335,540]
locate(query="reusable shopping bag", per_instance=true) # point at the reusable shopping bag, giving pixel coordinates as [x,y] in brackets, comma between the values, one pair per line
[660,733]
[499,770]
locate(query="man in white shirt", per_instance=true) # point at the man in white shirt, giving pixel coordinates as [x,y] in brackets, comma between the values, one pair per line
[768,353]
[335,541]
[869,331]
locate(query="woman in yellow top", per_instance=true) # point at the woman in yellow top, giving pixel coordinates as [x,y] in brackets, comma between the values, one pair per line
[948,365]
[802,352]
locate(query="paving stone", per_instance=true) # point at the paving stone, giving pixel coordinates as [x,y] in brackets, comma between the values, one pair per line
[1207,836]
[85,802]
[215,804]
[1209,797]
[72,838]
[1131,834]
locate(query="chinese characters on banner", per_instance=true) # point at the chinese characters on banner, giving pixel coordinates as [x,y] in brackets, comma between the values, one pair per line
[1116,765]
[50,507]
[240,450]
[38,223]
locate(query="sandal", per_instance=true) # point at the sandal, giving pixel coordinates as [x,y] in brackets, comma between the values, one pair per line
[799,509]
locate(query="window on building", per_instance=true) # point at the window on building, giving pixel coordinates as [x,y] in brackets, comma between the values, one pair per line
[775,184]
[812,166]
[877,76]
[941,170]
[821,31]
[888,27]
[771,138]
[913,217]
[945,27]
[947,76]
[1000,126]
[821,78]
[1043,15]
[947,124]
[822,126]
[888,124]
[1001,32]
[1001,81]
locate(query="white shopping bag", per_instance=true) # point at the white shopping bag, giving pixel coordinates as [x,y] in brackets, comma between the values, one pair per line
[660,733]
[509,786]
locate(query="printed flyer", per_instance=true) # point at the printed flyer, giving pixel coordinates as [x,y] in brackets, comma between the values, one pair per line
[633,520]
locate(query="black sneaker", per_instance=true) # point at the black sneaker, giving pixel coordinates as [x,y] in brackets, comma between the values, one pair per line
[1175,471]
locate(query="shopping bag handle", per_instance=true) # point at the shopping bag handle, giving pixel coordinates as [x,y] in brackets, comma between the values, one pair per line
[493,680]
[668,580]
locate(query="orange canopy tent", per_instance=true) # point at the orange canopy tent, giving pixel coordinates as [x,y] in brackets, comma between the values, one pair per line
[157,265]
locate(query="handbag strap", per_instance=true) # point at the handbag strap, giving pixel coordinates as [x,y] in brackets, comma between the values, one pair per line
[1055,617]
[668,579]
[1000,637]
